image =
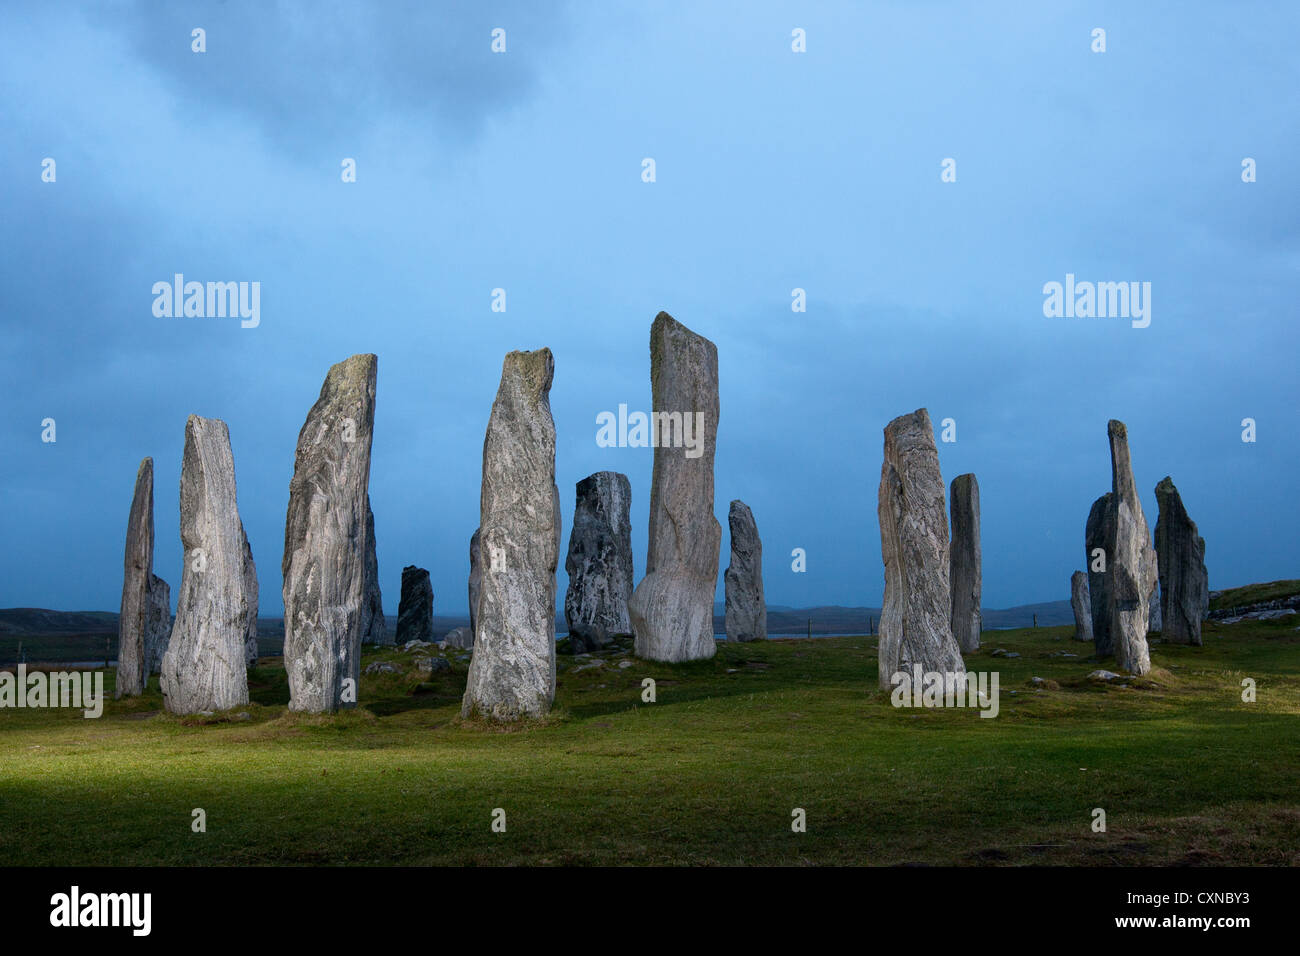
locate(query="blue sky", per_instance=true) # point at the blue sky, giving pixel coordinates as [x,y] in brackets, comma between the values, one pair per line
[775,170]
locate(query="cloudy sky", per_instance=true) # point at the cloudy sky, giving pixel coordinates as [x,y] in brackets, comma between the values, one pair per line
[775,170]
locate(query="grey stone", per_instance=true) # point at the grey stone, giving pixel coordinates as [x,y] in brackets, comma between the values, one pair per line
[1272,615]
[203,667]
[599,563]
[415,608]
[1096,537]
[137,568]
[1155,620]
[1103,675]
[916,621]
[965,563]
[374,629]
[324,562]
[512,671]
[475,583]
[251,593]
[382,667]
[745,612]
[672,608]
[460,637]
[1184,581]
[1081,604]
[158,624]
[1130,560]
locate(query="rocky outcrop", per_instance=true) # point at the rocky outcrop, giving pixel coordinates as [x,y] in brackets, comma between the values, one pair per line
[374,629]
[415,607]
[1184,581]
[251,593]
[916,621]
[965,567]
[325,541]
[203,667]
[1081,604]
[157,625]
[672,608]
[475,582]
[745,615]
[512,672]
[599,564]
[1130,560]
[137,568]
[1096,539]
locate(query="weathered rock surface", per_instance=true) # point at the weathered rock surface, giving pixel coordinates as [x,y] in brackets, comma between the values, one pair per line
[672,608]
[916,621]
[1096,538]
[475,582]
[1081,604]
[1184,581]
[203,667]
[324,562]
[158,624]
[745,616]
[459,637]
[415,607]
[1130,560]
[599,563]
[374,629]
[137,568]
[1155,620]
[251,591]
[512,671]
[965,567]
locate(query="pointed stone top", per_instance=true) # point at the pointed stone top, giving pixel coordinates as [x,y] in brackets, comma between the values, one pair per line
[665,325]
[919,417]
[356,373]
[962,482]
[535,369]
[1166,486]
[738,505]
[146,465]
[1117,429]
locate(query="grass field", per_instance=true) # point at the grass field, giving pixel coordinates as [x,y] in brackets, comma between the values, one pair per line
[709,774]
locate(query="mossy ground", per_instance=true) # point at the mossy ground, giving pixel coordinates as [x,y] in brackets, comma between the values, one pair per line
[708,774]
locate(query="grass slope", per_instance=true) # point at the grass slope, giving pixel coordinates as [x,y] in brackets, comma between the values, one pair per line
[709,774]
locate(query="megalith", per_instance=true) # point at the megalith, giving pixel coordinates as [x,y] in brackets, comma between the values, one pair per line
[1081,605]
[1180,556]
[415,606]
[745,611]
[137,569]
[965,568]
[599,562]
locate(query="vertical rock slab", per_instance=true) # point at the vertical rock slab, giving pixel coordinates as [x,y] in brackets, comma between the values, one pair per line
[965,567]
[374,629]
[1180,555]
[1081,604]
[916,621]
[1130,560]
[745,614]
[1096,538]
[415,606]
[512,671]
[475,582]
[137,568]
[599,563]
[672,608]
[1155,621]
[252,592]
[158,625]
[203,667]
[325,540]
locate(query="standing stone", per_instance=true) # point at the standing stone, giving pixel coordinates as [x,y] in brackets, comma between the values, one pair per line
[1155,620]
[965,565]
[324,561]
[746,607]
[1096,536]
[251,589]
[415,607]
[374,629]
[672,608]
[137,568]
[1081,604]
[599,563]
[1184,582]
[1130,560]
[158,624]
[459,638]
[916,621]
[475,582]
[512,672]
[203,667]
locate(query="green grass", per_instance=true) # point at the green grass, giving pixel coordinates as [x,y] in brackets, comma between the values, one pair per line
[709,774]
[1255,594]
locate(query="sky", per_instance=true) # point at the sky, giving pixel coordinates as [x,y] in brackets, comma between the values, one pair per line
[775,170]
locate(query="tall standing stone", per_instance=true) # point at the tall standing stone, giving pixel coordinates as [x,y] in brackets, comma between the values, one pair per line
[512,672]
[324,561]
[1081,604]
[1180,554]
[251,590]
[137,568]
[1096,539]
[158,624]
[1130,560]
[374,629]
[599,563]
[672,608]
[203,667]
[475,582]
[965,565]
[916,621]
[1155,620]
[415,606]
[745,613]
